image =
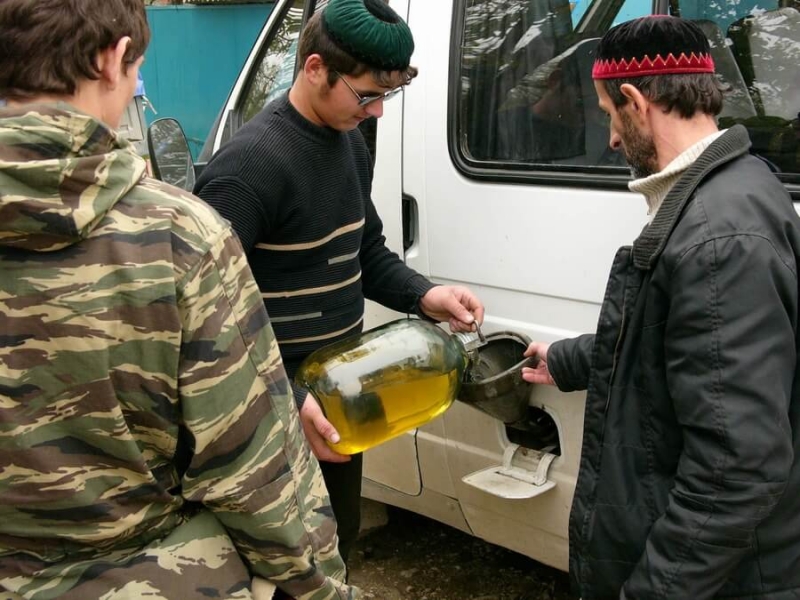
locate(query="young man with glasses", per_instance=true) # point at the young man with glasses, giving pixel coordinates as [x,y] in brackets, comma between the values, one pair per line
[295,183]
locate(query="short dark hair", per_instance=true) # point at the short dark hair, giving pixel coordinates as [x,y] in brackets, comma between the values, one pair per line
[49,46]
[686,93]
[315,40]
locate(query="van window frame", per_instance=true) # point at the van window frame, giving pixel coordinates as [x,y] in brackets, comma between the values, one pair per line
[610,178]
[236,111]
[495,171]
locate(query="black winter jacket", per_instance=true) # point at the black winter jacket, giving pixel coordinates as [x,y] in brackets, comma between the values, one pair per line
[689,484]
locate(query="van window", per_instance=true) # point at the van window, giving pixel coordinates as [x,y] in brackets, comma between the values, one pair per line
[756,47]
[526,100]
[274,72]
[527,96]
[630,10]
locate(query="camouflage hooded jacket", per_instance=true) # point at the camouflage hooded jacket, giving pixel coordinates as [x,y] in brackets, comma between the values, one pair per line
[149,445]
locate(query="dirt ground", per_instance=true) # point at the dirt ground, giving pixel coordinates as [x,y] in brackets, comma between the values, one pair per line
[414,558]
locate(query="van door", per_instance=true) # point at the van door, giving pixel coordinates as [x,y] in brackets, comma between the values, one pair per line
[392,465]
[519,198]
[502,136]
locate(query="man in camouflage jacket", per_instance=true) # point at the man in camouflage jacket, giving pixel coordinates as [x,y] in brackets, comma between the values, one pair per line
[149,442]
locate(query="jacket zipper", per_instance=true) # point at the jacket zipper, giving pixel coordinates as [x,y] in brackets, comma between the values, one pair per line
[618,343]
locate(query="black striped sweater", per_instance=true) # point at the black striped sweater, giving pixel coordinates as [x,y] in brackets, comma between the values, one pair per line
[298,195]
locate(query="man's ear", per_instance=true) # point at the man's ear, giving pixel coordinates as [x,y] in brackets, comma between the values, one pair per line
[637,103]
[315,70]
[111,62]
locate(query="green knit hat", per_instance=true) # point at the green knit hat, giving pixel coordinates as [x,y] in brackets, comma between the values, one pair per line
[370,32]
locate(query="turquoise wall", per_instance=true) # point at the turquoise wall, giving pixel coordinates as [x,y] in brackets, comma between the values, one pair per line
[193,59]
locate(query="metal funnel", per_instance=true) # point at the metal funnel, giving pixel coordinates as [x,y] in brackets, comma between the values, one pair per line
[493,380]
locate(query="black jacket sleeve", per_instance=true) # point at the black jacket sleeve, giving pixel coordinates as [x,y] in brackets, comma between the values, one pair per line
[385,277]
[730,359]
[570,362]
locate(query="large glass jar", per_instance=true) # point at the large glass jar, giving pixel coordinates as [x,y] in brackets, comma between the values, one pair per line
[383,382]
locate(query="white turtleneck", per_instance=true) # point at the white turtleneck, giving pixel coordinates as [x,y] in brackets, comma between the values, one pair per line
[655,187]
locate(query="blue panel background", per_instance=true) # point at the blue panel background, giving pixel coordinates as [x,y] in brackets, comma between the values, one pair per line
[193,59]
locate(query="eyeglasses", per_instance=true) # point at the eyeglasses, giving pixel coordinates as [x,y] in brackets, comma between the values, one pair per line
[365,100]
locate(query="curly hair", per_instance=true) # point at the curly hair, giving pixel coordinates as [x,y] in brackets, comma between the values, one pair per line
[685,93]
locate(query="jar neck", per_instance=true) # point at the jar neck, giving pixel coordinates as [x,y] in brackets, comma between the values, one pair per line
[469,342]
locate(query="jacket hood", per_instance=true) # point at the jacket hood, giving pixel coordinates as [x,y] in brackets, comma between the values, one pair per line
[61,171]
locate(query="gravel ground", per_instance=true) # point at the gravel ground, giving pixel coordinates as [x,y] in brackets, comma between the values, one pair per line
[414,558]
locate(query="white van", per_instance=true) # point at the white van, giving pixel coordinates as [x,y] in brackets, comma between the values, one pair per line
[492,170]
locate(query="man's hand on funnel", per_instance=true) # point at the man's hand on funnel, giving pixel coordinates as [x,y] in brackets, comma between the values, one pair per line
[455,304]
[539,373]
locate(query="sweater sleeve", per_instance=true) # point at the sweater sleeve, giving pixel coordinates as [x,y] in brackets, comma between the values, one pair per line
[299,394]
[385,277]
[249,463]
[237,202]
[730,359]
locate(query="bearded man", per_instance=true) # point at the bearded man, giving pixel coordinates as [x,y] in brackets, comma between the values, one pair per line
[690,468]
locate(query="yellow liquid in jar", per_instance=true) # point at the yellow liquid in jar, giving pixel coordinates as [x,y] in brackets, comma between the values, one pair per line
[388,406]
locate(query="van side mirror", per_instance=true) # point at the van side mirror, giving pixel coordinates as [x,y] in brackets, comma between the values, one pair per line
[170,155]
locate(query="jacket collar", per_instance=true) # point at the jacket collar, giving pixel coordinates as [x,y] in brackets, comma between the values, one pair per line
[650,244]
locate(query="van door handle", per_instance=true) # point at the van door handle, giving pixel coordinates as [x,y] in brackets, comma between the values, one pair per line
[410,221]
